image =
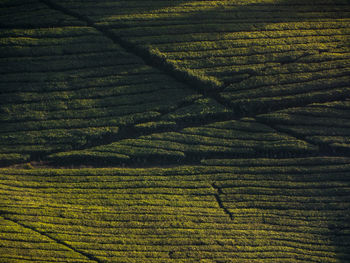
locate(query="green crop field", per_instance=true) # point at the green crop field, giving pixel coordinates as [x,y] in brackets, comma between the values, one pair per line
[175,131]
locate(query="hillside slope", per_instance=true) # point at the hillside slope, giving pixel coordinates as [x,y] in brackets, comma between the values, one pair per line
[238,112]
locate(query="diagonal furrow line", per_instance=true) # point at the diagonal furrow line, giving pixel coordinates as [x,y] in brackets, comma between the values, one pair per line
[219,201]
[149,59]
[86,255]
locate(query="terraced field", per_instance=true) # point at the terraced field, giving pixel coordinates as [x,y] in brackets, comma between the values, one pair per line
[261,210]
[232,118]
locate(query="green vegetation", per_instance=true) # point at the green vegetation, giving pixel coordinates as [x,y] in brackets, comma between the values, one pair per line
[290,210]
[175,131]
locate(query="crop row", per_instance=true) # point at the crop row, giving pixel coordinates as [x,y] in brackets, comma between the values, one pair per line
[307,64]
[199,3]
[124,7]
[114,85]
[203,10]
[231,31]
[251,163]
[266,104]
[240,25]
[81,93]
[205,47]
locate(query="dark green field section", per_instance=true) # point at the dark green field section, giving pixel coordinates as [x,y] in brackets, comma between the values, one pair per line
[123,82]
[257,55]
[243,210]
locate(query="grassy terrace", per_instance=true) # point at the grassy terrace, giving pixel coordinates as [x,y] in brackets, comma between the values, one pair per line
[175,131]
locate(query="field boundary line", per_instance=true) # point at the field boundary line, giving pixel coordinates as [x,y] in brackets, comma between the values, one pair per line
[84,254]
[219,201]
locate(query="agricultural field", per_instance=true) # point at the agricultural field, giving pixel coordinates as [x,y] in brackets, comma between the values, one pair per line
[256,210]
[175,131]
